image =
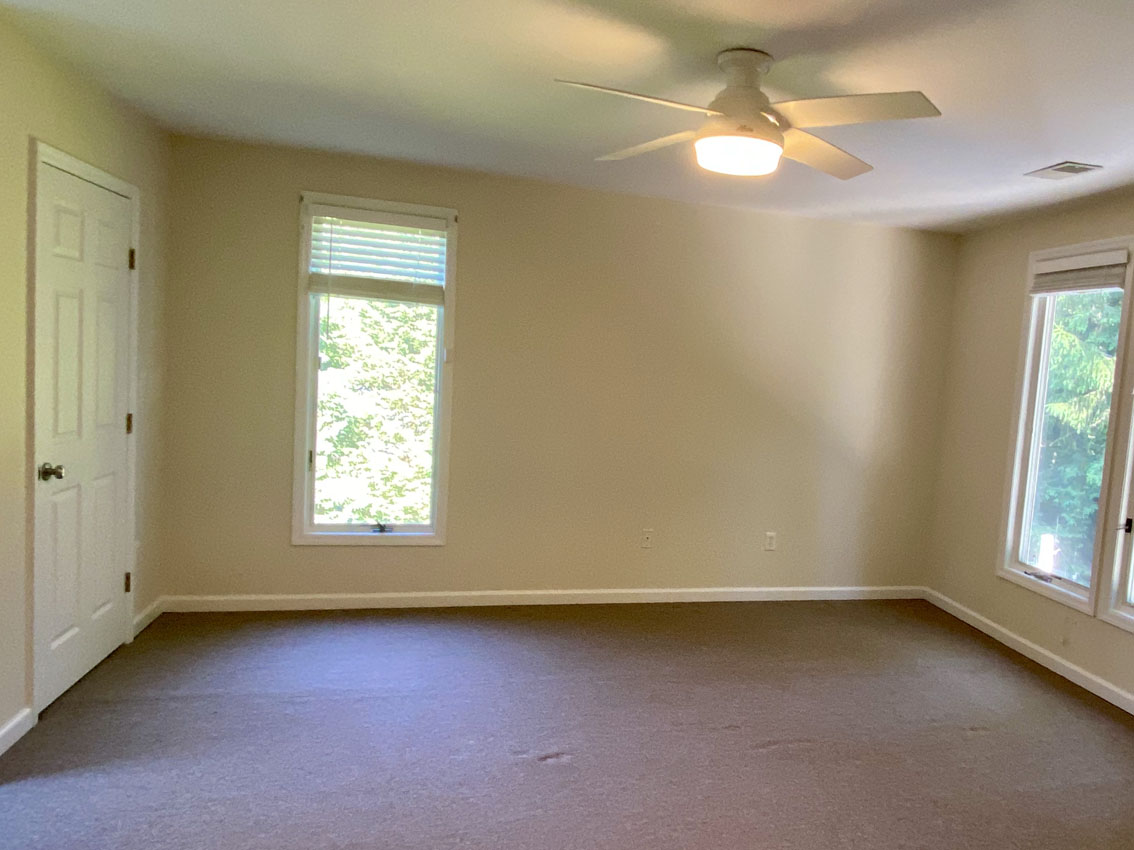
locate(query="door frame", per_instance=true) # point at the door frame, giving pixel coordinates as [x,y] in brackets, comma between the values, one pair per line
[43,153]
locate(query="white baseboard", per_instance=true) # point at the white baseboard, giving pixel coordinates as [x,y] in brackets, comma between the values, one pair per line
[1057,664]
[150,613]
[16,727]
[451,599]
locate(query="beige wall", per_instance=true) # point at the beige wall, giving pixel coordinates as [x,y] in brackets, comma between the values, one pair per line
[42,99]
[991,298]
[620,363]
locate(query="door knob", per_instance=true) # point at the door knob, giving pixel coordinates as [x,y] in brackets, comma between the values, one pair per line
[47,472]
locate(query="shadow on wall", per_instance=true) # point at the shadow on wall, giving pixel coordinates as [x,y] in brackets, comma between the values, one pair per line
[805,37]
[837,350]
[782,384]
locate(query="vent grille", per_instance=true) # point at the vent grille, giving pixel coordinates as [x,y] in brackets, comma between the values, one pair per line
[1063,170]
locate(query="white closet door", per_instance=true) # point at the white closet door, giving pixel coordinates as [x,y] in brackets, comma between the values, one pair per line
[82,282]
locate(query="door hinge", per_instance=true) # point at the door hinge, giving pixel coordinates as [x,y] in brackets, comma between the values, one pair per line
[127,582]
[1128,526]
[129,423]
[133,260]
[311,459]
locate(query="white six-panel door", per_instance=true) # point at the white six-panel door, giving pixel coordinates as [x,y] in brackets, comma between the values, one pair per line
[82,302]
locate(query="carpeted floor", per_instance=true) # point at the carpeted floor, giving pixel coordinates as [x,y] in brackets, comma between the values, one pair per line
[793,726]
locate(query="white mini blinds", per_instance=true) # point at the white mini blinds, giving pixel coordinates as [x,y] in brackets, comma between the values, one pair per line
[378,255]
[1100,270]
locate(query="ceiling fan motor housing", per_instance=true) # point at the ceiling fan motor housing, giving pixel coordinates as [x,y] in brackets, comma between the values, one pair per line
[753,123]
[744,108]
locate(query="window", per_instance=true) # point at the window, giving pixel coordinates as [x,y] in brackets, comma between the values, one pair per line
[375,308]
[1066,527]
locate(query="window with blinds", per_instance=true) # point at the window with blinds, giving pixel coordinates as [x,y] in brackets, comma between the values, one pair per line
[1065,455]
[377,295]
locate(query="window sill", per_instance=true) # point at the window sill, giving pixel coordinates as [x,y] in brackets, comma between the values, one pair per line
[368,538]
[1070,595]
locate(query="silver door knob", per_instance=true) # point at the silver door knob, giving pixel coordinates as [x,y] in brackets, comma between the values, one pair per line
[47,472]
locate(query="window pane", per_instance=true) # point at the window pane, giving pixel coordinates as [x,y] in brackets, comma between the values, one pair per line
[1073,412]
[375,411]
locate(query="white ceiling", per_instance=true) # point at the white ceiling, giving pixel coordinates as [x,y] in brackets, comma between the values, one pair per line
[469,83]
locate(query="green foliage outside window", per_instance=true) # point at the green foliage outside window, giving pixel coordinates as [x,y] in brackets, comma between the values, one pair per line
[1076,414]
[375,411]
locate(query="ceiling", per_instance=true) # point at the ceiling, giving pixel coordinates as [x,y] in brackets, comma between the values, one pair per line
[468,83]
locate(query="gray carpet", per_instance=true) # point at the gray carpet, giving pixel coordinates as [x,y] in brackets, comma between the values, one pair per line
[794,726]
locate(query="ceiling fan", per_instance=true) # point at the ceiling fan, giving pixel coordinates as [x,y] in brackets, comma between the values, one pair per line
[746,134]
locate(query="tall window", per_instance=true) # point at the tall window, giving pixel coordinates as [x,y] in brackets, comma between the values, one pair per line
[1067,530]
[375,301]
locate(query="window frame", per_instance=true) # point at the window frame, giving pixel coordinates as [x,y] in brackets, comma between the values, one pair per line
[303,531]
[1116,492]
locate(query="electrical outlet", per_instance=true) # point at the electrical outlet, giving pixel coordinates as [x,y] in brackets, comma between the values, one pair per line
[647,538]
[769,541]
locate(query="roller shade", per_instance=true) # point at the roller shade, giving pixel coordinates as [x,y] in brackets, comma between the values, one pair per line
[381,255]
[1103,270]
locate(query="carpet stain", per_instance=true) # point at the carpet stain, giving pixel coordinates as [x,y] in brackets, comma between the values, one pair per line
[782,744]
[554,758]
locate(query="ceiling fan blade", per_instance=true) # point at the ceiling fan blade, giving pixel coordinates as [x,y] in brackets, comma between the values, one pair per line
[646,147]
[822,155]
[856,109]
[661,101]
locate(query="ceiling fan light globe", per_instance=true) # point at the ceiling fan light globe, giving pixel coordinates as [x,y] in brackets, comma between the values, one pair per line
[738,154]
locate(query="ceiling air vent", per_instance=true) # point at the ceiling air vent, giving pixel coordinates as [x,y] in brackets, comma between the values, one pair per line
[1063,170]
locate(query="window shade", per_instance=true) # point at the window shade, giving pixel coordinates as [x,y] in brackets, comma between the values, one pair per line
[1102,277]
[401,257]
[1104,270]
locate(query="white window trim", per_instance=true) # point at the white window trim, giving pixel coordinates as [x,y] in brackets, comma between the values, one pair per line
[1107,573]
[303,534]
